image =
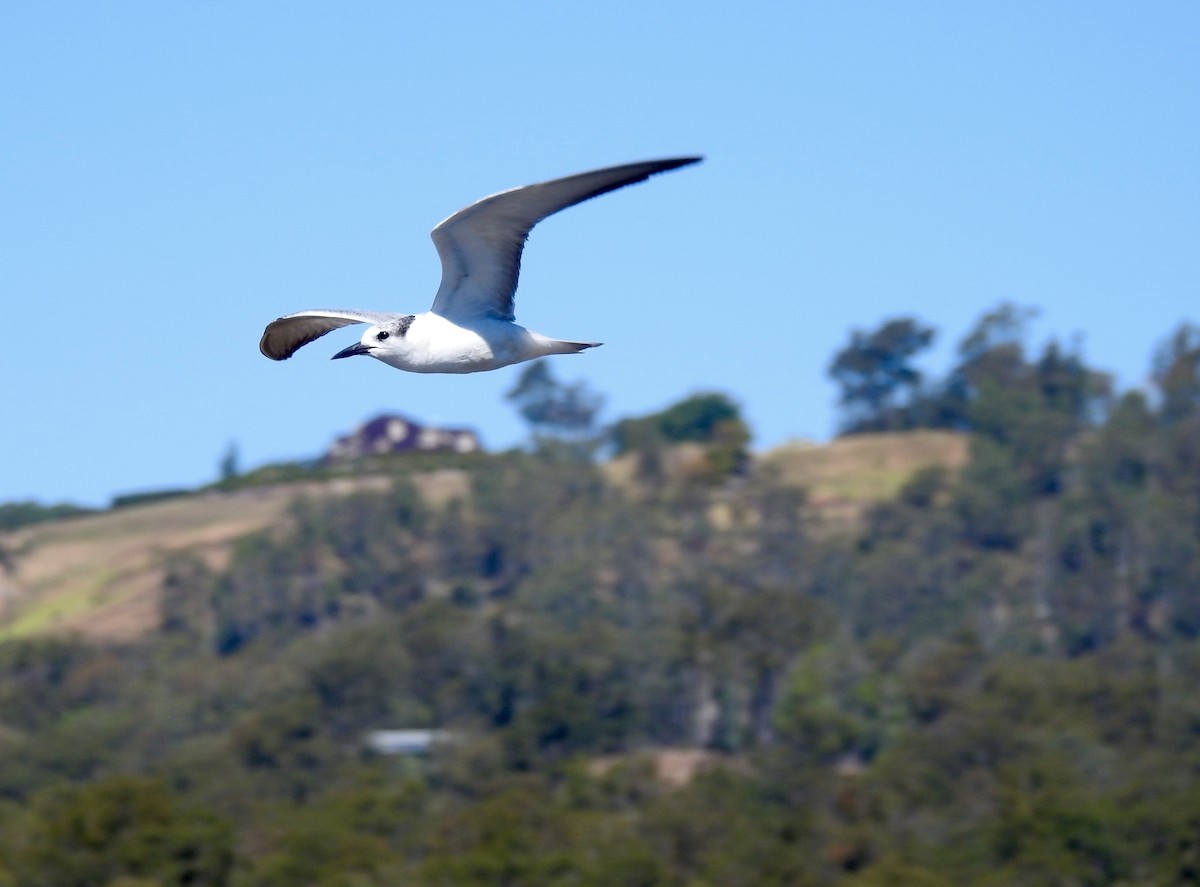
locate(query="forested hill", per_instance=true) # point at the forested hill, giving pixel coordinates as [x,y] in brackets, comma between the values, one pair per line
[101,574]
[973,669]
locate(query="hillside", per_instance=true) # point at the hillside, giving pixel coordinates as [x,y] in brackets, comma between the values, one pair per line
[865,468]
[820,666]
[100,575]
[832,669]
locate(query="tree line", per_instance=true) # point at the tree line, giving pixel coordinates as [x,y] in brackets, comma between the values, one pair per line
[988,678]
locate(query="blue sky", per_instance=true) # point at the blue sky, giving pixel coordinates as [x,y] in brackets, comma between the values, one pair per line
[173,176]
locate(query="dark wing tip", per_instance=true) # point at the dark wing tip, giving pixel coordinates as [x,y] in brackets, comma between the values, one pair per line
[670,163]
[633,174]
[271,347]
[284,337]
[654,167]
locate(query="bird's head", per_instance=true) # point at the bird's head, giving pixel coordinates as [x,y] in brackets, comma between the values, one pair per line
[380,340]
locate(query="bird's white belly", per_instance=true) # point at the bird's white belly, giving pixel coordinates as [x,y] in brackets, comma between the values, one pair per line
[437,345]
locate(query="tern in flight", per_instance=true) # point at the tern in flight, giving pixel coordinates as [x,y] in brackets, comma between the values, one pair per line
[471,325]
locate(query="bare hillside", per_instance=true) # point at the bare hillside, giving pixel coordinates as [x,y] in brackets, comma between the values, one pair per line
[99,575]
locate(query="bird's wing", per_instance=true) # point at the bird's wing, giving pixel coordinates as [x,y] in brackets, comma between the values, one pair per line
[480,246]
[284,337]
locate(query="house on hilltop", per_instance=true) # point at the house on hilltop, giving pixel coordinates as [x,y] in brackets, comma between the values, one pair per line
[399,434]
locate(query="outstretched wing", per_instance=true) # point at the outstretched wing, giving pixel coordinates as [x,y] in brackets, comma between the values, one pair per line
[480,246]
[284,337]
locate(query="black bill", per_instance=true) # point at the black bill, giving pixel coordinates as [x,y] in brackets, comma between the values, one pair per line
[356,348]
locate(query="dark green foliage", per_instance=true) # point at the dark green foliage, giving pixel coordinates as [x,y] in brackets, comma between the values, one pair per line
[878,382]
[1177,375]
[21,514]
[129,500]
[1035,411]
[711,420]
[697,418]
[357,552]
[989,679]
[354,836]
[1032,408]
[121,830]
[42,679]
[230,465]
[552,408]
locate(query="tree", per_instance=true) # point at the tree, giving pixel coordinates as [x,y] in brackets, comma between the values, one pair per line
[993,352]
[697,419]
[123,829]
[1032,410]
[710,419]
[1177,374]
[230,464]
[556,411]
[14,515]
[876,375]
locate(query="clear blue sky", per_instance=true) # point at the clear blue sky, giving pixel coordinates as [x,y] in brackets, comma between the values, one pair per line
[175,175]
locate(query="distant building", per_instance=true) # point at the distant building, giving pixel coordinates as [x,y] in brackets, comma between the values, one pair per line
[398,434]
[405,742]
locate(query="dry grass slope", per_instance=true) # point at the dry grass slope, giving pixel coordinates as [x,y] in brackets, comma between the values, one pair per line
[850,472]
[100,575]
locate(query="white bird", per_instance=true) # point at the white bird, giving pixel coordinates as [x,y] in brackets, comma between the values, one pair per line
[470,326]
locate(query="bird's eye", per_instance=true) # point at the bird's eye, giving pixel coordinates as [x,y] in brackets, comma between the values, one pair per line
[383,335]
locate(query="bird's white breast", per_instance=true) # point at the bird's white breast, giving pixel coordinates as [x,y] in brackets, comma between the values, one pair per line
[434,344]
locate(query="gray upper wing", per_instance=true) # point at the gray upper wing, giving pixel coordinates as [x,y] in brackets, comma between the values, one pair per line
[284,337]
[480,246]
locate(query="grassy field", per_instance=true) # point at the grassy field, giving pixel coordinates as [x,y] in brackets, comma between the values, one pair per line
[99,575]
[865,468]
